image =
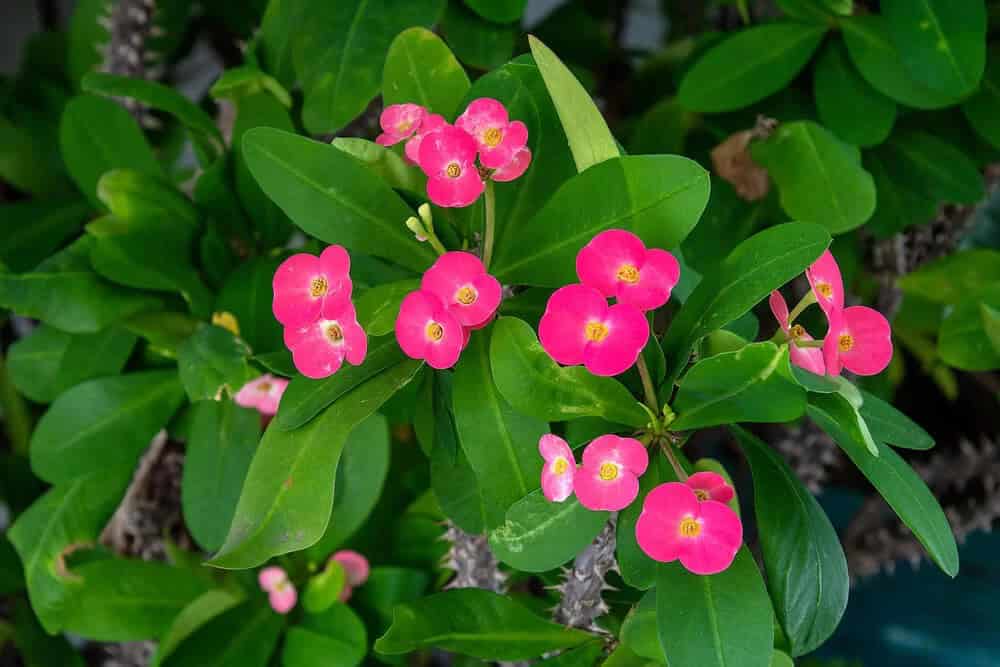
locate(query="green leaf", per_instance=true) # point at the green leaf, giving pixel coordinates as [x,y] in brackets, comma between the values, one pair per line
[589,137]
[197,613]
[753,384]
[34,646]
[535,385]
[498,11]
[759,265]
[213,364]
[419,68]
[820,178]
[205,135]
[133,195]
[889,425]
[28,160]
[815,11]
[820,384]
[942,43]
[954,278]
[805,564]
[749,66]
[500,443]
[32,230]
[475,622]
[941,169]
[288,495]
[539,535]
[901,200]
[377,307]
[586,654]
[657,197]
[324,589]
[477,42]
[896,481]
[980,108]
[335,638]
[639,630]
[242,636]
[716,620]
[453,480]
[247,80]
[101,423]
[967,334]
[98,135]
[221,443]
[165,331]
[48,362]
[247,294]
[848,104]
[386,164]
[329,195]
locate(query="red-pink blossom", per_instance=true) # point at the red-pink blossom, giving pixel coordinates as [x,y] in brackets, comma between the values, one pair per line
[399,122]
[430,123]
[578,327]
[304,285]
[826,282]
[426,330]
[356,569]
[617,264]
[609,476]
[710,486]
[320,347]
[809,358]
[513,169]
[262,394]
[859,339]
[448,157]
[704,535]
[280,591]
[497,137]
[559,468]
[460,280]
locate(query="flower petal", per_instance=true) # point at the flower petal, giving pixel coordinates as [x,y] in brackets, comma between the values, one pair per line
[628,332]
[713,484]
[355,566]
[779,308]
[872,335]
[293,304]
[557,487]
[597,494]
[657,530]
[518,164]
[270,577]
[550,446]
[456,192]
[626,452]
[598,262]
[826,282]
[657,277]
[715,548]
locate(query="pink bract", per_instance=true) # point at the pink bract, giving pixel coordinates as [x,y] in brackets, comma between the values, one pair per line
[559,468]
[448,155]
[609,476]
[498,139]
[398,122]
[320,348]
[704,536]
[262,394]
[426,330]
[355,567]
[460,280]
[430,123]
[617,264]
[826,282]
[809,358]
[859,339]
[304,285]
[513,169]
[710,486]
[578,327]
[280,591]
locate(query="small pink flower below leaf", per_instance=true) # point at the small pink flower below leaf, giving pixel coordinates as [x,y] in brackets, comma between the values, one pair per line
[304,285]
[399,122]
[559,468]
[578,327]
[498,139]
[262,394]
[617,264]
[320,348]
[280,591]
[430,123]
[674,525]
[426,330]
[460,280]
[859,339]
[710,486]
[355,567]
[448,157]
[809,358]
[826,282]
[609,477]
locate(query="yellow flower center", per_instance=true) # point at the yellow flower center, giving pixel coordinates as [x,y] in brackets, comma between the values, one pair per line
[702,494]
[435,331]
[453,170]
[404,126]
[560,466]
[689,527]
[466,295]
[845,342]
[825,290]
[628,273]
[608,471]
[334,333]
[797,332]
[264,387]
[596,331]
[492,137]
[318,287]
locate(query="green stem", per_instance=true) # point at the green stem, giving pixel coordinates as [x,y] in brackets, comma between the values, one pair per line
[436,243]
[647,384]
[807,300]
[668,451]
[16,417]
[808,343]
[489,225]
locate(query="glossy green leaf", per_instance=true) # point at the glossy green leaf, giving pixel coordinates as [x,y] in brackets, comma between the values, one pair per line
[942,43]
[753,384]
[48,362]
[164,330]
[477,42]
[288,495]
[657,197]
[749,66]
[475,622]
[539,535]
[980,108]
[213,364]
[715,620]
[536,385]
[889,425]
[820,178]
[335,638]
[805,564]
[377,307]
[32,230]
[324,588]
[639,630]
[131,195]
[421,69]
[244,80]
[967,334]
[247,294]
[36,648]
[107,422]
[901,200]
[848,104]
[589,138]
[815,11]
[820,384]
[954,278]
[331,196]
[453,480]
[941,169]
[390,166]
[896,481]
[197,613]
[242,636]
[499,11]
[28,161]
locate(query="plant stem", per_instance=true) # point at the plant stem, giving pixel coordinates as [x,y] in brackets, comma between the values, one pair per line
[808,343]
[807,300]
[436,244]
[15,413]
[647,384]
[668,451]
[489,225]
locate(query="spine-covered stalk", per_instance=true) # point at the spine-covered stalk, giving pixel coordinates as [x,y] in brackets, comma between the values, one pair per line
[582,589]
[472,560]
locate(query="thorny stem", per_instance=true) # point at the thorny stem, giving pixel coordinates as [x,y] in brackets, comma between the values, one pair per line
[807,300]
[647,384]
[489,224]
[668,451]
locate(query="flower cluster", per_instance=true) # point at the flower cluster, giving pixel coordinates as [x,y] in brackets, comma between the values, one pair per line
[607,480]
[447,153]
[283,595]
[312,300]
[262,394]
[456,296]
[858,338]
[579,327]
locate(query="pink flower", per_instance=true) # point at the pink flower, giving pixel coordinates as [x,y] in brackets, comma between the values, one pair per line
[609,477]
[399,122]
[426,330]
[827,285]
[559,468]
[355,567]
[673,525]
[499,139]
[617,264]
[262,394]
[461,282]
[859,339]
[319,348]
[448,155]
[513,169]
[578,327]
[710,486]
[809,358]
[280,591]
[430,123]
[304,285]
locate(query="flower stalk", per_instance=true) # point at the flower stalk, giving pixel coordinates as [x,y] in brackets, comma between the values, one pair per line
[489,224]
